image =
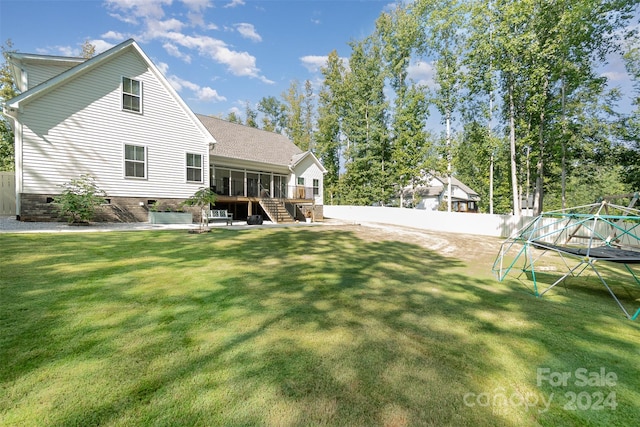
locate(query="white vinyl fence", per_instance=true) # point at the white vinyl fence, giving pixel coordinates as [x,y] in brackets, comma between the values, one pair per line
[448,222]
[7,193]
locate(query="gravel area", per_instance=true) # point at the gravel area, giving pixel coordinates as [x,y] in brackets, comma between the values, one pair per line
[8,224]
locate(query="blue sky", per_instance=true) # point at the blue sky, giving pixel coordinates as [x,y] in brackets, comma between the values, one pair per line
[217,54]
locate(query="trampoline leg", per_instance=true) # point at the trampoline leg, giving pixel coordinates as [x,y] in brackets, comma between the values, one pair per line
[635,316]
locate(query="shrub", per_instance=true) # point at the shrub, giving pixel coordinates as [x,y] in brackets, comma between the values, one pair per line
[79,199]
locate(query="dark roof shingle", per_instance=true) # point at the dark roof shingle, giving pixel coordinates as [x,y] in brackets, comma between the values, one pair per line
[237,141]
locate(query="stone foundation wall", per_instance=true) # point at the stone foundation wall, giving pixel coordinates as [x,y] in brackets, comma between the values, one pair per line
[40,208]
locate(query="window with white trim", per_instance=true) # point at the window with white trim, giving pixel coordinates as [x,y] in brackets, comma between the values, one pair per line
[316,187]
[131,95]
[135,161]
[194,167]
[301,180]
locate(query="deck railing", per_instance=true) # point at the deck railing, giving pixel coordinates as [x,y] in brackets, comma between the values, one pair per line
[231,187]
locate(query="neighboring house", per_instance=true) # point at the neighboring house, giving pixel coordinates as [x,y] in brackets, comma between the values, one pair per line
[117,118]
[434,193]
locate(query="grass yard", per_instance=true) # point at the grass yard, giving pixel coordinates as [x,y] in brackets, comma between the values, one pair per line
[342,326]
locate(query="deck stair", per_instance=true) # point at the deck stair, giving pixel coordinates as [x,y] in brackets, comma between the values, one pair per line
[276,211]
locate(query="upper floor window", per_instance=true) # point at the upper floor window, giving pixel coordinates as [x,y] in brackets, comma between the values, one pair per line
[135,163]
[316,187]
[194,167]
[301,180]
[131,95]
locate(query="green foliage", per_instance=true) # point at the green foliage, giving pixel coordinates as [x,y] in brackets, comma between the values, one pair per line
[327,136]
[365,127]
[251,116]
[274,114]
[8,90]
[79,199]
[233,117]
[202,198]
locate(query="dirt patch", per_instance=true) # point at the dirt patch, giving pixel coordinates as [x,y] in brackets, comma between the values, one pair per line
[461,246]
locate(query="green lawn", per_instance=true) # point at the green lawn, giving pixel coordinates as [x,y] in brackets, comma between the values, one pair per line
[297,327]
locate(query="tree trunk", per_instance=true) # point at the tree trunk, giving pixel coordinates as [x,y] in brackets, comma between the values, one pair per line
[448,161]
[512,145]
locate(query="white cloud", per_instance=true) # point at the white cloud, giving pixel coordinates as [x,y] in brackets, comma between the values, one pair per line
[113,35]
[149,9]
[197,5]
[248,31]
[239,63]
[101,45]
[171,33]
[201,93]
[208,94]
[67,50]
[313,63]
[422,73]
[163,67]
[235,3]
[175,52]
[159,28]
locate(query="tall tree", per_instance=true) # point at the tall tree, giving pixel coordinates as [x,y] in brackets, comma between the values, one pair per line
[251,116]
[294,125]
[88,49]
[233,117]
[327,136]
[274,114]
[8,90]
[365,127]
[308,117]
[399,32]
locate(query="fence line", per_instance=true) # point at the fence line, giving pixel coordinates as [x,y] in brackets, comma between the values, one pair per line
[448,222]
[7,193]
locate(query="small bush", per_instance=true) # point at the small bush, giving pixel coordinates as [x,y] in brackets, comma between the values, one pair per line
[79,199]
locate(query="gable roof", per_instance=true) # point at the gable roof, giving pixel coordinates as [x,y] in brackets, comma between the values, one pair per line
[455,182]
[241,142]
[426,190]
[11,106]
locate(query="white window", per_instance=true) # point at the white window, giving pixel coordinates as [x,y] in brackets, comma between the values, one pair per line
[135,164]
[131,95]
[194,167]
[316,187]
[301,181]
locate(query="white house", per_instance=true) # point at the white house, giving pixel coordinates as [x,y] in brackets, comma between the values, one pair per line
[117,118]
[434,192]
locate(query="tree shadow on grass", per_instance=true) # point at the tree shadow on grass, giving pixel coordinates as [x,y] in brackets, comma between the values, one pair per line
[286,327]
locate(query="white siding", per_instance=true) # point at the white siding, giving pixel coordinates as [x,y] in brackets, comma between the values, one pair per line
[40,72]
[309,170]
[80,128]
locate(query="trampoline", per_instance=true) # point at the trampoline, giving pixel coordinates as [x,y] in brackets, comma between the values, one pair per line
[583,238]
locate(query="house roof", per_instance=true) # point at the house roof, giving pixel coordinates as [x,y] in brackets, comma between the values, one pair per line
[16,61]
[14,104]
[436,190]
[457,183]
[237,141]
